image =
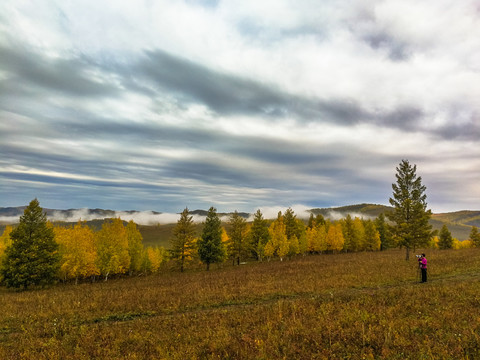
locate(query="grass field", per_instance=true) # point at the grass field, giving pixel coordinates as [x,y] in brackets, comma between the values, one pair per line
[345,306]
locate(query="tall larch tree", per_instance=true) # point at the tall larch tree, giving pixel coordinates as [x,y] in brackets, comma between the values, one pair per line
[349,234]
[210,247]
[386,240]
[445,239]
[32,258]
[258,235]
[358,234]
[410,216]
[295,231]
[183,241]
[475,236]
[236,231]
[289,219]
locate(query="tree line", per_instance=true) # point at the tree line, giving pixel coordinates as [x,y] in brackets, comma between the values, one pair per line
[37,253]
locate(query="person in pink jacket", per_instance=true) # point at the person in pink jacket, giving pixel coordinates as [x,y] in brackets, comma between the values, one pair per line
[422,264]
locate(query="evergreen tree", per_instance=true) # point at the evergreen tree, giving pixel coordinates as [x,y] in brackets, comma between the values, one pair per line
[258,235]
[475,236]
[319,219]
[349,234]
[386,241]
[289,219]
[32,258]
[445,239]
[210,247]
[311,221]
[183,242]
[358,235]
[410,215]
[302,240]
[236,233]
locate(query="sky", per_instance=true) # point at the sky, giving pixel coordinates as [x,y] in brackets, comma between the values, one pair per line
[240,105]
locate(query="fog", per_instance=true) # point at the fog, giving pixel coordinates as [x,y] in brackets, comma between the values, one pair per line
[154,218]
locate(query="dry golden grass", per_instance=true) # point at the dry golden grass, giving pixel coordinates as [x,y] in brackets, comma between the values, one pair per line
[364,305]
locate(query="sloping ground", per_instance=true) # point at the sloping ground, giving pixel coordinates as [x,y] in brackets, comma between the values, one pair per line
[315,307]
[465,217]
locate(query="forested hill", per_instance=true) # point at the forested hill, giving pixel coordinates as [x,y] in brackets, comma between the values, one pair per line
[361,210]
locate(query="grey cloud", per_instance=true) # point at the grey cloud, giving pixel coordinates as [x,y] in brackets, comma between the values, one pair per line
[396,49]
[454,131]
[23,66]
[406,118]
[228,94]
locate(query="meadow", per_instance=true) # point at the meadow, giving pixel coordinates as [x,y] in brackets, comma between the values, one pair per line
[343,306]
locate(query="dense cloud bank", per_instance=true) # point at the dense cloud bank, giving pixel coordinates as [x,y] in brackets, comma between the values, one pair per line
[240,105]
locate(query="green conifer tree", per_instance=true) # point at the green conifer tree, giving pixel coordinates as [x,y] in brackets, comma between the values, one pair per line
[33,257]
[210,247]
[445,239]
[259,235]
[349,234]
[183,241]
[475,236]
[236,233]
[386,241]
[410,216]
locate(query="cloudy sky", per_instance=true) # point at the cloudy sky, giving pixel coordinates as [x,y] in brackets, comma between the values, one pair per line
[159,105]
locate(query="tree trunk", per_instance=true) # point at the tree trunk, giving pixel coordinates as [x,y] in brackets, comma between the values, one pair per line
[407,254]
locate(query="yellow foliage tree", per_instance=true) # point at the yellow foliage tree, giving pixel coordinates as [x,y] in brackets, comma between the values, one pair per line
[293,246]
[335,239]
[112,248]
[156,256]
[77,250]
[135,246]
[316,238]
[5,242]
[359,234]
[372,237]
[278,243]
[227,244]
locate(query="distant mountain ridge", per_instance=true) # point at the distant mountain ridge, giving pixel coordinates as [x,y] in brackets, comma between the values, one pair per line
[459,222]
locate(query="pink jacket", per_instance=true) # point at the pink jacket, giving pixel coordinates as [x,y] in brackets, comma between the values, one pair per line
[422,263]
